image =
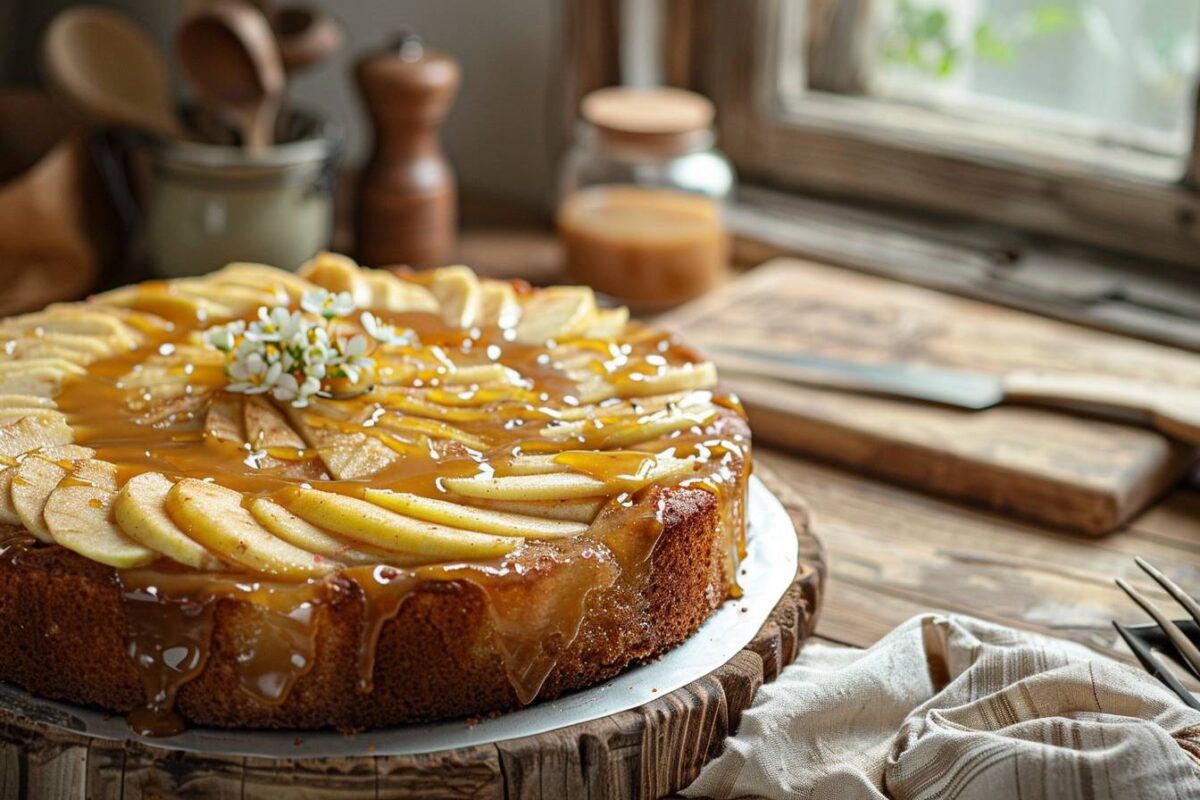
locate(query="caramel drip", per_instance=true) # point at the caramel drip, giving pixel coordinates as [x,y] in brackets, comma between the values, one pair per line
[384,591]
[171,616]
[169,645]
[14,541]
[536,609]
[536,600]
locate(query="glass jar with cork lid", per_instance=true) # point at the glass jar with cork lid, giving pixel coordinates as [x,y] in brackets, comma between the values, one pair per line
[641,196]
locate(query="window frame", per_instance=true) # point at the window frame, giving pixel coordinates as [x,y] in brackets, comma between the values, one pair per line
[873,150]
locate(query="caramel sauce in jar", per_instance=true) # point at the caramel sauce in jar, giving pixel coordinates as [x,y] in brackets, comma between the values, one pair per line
[641,195]
[652,248]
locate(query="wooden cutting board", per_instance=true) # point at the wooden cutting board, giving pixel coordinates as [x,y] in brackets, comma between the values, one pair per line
[1070,471]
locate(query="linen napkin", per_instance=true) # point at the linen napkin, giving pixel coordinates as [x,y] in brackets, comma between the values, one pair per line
[954,707]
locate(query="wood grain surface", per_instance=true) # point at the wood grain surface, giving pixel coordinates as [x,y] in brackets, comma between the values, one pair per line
[647,752]
[894,552]
[1066,470]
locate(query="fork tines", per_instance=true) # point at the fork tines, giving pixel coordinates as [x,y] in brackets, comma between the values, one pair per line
[1187,651]
[1154,665]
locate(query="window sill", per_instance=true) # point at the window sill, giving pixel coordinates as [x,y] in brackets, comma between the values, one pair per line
[1148,300]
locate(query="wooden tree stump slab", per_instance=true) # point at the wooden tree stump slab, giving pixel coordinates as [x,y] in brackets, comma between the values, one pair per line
[646,752]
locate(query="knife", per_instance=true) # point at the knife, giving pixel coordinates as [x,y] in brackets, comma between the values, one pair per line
[1172,410]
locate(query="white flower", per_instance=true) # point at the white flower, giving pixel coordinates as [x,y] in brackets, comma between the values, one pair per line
[328,305]
[248,366]
[381,332]
[355,347]
[287,388]
[292,354]
[275,325]
[224,337]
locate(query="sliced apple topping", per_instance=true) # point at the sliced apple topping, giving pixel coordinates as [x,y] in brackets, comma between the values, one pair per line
[78,515]
[336,273]
[33,433]
[32,490]
[459,295]
[569,485]
[141,511]
[473,519]
[389,293]
[608,323]
[169,302]
[303,534]
[223,421]
[560,312]
[554,398]
[25,401]
[267,428]
[260,276]
[60,365]
[366,522]
[572,509]
[663,380]
[240,300]
[484,374]
[525,464]
[610,430]
[41,382]
[500,305]
[432,429]
[214,517]
[73,347]
[73,320]
[10,415]
[35,479]
[8,512]
[347,455]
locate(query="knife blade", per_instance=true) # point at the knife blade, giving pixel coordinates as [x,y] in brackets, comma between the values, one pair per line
[952,387]
[1172,410]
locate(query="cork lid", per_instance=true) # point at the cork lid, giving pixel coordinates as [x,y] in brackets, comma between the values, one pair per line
[661,117]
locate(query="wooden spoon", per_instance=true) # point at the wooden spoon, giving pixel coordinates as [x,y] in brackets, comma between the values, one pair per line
[106,67]
[229,53]
[306,36]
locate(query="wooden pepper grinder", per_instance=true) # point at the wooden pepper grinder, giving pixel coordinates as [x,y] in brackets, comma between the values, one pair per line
[407,202]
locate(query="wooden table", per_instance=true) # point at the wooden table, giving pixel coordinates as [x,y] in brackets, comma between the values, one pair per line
[894,552]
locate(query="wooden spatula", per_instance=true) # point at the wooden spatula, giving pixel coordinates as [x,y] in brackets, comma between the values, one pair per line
[107,68]
[230,55]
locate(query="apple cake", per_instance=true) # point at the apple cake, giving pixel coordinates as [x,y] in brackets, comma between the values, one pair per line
[353,498]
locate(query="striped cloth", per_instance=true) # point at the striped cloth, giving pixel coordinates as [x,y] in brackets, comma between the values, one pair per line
[954,707]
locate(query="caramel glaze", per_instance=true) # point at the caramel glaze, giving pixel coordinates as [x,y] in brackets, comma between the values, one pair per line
[537,596]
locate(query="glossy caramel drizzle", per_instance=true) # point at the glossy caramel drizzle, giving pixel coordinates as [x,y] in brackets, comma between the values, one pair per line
[536,601]
[536,597]
[171,615]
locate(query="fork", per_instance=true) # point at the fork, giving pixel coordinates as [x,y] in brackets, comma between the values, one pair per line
[1165,635]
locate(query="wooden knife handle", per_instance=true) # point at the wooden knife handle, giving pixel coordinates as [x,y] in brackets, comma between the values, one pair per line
[1172,410]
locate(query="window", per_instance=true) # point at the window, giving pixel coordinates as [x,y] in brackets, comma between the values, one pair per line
[1051,70]
[1066,117]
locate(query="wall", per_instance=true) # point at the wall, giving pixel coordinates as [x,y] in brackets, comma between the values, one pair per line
[496,134]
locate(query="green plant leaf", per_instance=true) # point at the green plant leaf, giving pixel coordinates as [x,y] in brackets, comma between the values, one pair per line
[1048,19]
[989,45]
[934,23]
